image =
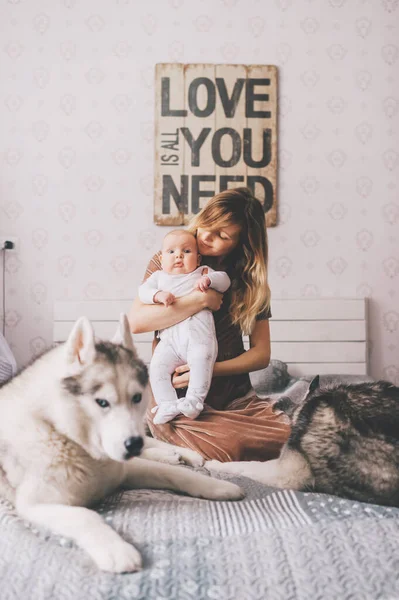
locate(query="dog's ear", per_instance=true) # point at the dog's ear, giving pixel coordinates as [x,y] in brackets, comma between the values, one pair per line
[285,404]
[80,347]
[123,334]
[314,384]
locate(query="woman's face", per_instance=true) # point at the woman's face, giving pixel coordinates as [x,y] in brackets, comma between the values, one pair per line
[218,242]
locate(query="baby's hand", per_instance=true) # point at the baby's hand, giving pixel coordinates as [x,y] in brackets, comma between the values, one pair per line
[203,283]
[165,298]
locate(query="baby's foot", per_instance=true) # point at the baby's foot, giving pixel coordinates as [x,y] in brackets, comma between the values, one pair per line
[190,408]
[165,413]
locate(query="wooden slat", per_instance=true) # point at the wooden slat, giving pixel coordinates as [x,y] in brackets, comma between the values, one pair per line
[305,352]
[342,309]
[281,331]
[95,310]
[338,352]
[314,352]
[316,309]
[317,331]
[104,330]
[303,369]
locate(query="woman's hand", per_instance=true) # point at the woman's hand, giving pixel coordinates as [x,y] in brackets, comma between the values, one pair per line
[148,317]
[210,299]
[181,377]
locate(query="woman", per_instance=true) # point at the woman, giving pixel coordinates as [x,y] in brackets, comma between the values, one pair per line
[235,424]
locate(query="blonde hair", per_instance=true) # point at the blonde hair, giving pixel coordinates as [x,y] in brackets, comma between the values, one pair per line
[247,262]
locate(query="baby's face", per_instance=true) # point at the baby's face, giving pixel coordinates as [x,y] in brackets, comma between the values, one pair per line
[179,254]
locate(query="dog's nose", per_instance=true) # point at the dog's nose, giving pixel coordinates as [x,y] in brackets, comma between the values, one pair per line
[134,445]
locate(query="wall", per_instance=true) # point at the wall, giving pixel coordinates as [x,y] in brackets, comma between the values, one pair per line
[77,147]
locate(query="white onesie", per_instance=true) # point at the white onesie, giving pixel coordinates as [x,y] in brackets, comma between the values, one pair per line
[192,341]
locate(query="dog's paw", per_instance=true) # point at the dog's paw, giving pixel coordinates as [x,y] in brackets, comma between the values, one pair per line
[169,457]
[117,557]
[174,456]
[223,490]
[190,457]
[233,468]
[215,489]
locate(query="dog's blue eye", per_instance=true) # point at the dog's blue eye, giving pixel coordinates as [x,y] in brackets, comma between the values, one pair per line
[102,403]
[136,398]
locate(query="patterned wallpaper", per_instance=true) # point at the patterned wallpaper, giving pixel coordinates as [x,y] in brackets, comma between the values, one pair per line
[76,142]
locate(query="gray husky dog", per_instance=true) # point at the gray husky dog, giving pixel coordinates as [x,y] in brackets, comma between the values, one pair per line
[344,440]
[71,427]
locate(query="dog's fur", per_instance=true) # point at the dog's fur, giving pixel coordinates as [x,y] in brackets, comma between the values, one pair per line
[344,440]
[71,426]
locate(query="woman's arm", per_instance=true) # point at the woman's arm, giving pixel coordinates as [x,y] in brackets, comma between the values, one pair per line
[254,359]
[146,317]
[257,357]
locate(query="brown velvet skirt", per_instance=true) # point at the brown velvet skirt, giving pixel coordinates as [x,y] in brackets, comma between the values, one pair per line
[247,429]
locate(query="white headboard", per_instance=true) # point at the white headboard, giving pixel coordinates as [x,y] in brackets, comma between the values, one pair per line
[323,335]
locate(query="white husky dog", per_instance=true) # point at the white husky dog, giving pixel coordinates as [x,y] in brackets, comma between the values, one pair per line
[71,425]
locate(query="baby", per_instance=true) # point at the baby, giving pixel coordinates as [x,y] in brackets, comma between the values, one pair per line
[192,341]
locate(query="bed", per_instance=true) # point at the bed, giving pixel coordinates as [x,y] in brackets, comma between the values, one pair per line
[273,544]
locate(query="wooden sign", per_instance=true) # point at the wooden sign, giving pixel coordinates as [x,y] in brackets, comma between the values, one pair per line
[215,129]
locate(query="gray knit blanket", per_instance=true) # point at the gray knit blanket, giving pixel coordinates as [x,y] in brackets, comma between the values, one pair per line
[277,545]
